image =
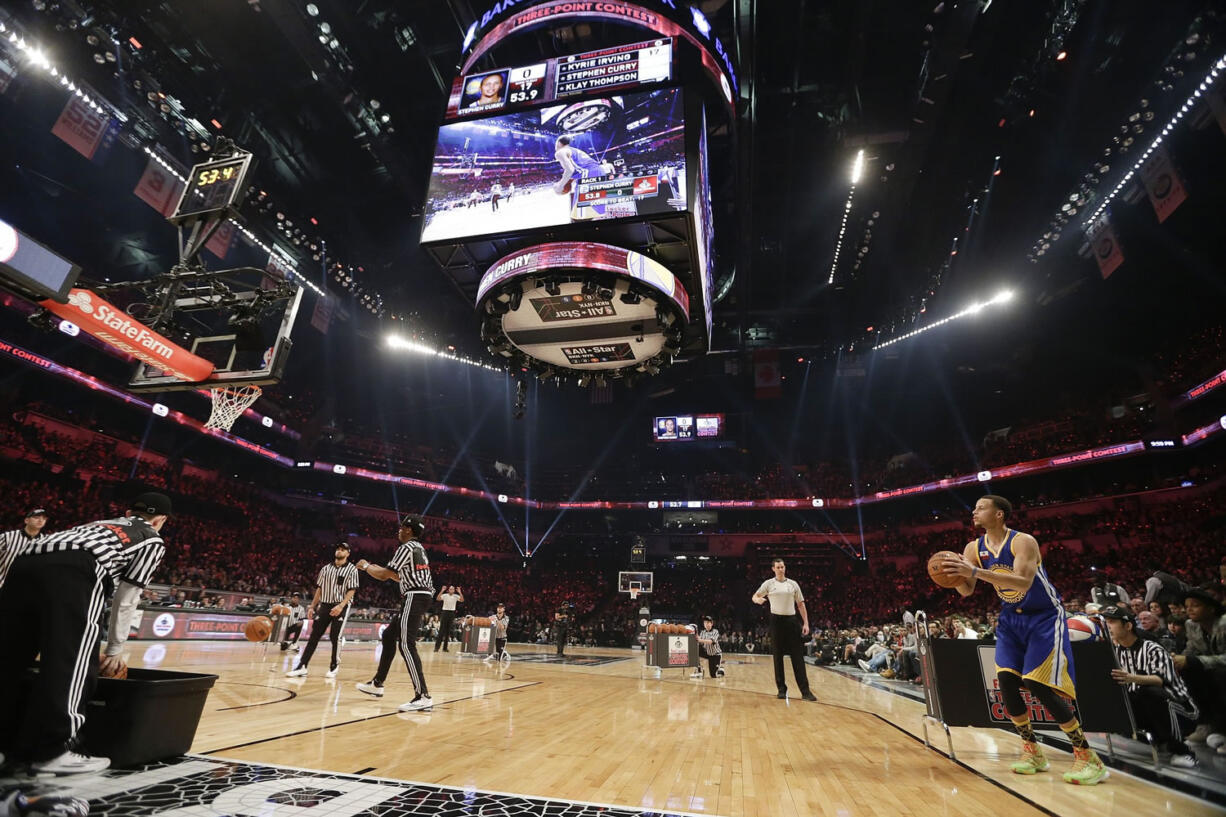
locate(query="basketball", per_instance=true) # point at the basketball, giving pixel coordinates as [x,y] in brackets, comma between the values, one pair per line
[935,569]
[258,628]
[279,610]
[1082,628]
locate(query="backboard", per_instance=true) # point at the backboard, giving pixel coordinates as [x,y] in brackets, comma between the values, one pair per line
[240,320]
[640,581]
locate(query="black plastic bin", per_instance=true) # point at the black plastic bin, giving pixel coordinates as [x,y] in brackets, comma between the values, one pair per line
[149,716]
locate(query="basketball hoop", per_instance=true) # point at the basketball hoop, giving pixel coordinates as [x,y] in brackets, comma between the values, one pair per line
[229,403]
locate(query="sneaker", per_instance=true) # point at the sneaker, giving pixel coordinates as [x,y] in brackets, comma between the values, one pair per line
[783,693]
[488,658]
[424,702]
[1032,760]
[71,763]
[284,646]
[331,673]
[295,648]
[297,673]
[46,805]
[864,665]
[809,696]
[1199,734]
[719,673]
[1184,761]
[370,688]
[1087,769]
[1215,740]
[696,673]
[886,673]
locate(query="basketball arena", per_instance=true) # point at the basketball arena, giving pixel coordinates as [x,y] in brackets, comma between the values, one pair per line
[637,407]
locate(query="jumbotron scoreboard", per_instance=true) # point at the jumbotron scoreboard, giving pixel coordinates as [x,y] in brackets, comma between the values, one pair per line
[607,69]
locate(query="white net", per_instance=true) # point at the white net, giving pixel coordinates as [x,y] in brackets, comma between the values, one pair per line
[229,403]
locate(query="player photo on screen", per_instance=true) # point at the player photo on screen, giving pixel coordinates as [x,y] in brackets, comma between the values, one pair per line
[666,428]
[485,91]
[596,159]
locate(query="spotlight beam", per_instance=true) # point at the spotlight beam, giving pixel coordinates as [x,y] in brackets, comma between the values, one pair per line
[1002,297]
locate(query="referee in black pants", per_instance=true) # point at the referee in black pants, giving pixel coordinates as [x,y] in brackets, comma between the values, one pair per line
[52,604]
[334,589]
[789,626]
[410,567]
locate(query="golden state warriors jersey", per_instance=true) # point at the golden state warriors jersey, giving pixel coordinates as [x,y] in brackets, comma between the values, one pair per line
[1041,595]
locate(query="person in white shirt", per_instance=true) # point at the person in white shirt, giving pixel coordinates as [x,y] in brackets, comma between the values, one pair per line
[450,597]
[789,625]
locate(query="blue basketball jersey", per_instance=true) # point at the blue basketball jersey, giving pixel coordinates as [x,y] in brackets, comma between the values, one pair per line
[587,166]
[1041,595]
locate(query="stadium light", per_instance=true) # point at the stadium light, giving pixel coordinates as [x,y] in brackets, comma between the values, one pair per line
[1002,297]
[1218,67]
[857,168]
[406,345]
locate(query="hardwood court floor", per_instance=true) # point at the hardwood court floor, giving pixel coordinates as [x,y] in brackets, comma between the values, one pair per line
[601,733]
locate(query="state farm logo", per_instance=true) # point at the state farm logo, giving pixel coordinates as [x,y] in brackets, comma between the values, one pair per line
[82,301]
[163,624]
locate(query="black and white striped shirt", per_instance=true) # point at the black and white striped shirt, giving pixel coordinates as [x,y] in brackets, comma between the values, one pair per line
[411,563]
[127,548]
[11,543]
[712,636]
[1147,657]
[333,581]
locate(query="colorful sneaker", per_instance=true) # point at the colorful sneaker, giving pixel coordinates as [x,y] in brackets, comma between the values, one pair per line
[1032,760]
[1087,769]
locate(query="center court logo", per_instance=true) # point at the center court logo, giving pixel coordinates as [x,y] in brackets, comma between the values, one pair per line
[163,625]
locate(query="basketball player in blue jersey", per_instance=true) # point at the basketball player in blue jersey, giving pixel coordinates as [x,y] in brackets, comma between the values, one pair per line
[576,165]
[1032,641]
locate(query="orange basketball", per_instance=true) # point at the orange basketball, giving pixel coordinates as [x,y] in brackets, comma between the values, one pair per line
[279,610]
[258,628]
[935,569]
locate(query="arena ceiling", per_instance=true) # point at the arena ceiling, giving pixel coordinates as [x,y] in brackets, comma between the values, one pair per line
[342,122]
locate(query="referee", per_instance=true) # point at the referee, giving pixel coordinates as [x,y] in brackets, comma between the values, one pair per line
[411,568]
[58,588]
[334,587]
[14,540]
[1157,694]
[787,628]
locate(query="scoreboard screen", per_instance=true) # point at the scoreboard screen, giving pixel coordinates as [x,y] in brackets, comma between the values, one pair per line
[577,161]
[685,427]
[618,67]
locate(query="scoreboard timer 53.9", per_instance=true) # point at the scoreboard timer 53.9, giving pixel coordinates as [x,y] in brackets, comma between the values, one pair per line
[618,67]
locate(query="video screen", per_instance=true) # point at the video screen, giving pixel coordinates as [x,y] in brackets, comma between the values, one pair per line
[591,160]
[682,427]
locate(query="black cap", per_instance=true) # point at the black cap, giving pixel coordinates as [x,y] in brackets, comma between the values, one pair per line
[413,522]
[35,512]
[1204,597]
[1118,612]
[152,503]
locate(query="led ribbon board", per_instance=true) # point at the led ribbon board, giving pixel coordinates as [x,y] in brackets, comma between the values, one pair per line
[604,70]
[581,306]
[508,17]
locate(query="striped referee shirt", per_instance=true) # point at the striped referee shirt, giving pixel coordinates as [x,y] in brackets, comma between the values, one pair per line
[410,562]
[1147,657]
[127,548]
[709,639]
[11,543]
[334,581]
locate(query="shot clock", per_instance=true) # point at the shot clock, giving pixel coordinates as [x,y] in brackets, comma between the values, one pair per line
[213,188]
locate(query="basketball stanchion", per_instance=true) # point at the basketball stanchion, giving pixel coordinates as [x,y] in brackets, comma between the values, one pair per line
[477,637]
[671,646]
[932,703]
